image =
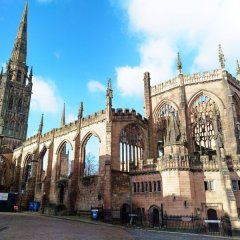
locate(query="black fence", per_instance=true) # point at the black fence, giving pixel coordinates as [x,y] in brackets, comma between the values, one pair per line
[221,226]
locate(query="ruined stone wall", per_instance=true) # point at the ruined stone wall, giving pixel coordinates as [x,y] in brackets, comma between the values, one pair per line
[120,189]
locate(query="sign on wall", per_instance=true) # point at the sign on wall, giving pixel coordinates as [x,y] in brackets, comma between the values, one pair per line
[3,196]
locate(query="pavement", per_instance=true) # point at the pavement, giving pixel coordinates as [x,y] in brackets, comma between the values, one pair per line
[136,232]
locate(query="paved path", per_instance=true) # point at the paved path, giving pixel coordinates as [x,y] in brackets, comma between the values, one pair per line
[23,226]
[32,227]
[140,234]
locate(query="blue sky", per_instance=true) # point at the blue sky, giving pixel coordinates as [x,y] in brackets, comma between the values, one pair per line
[75,46]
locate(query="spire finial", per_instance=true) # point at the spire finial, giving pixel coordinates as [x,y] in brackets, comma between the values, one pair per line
[40,125]
[238,68]
[80,111]
[179,64]
[19,53]
[109,94]
[221,56]
[63,116]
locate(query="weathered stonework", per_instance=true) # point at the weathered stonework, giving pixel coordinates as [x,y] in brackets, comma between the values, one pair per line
[181,158]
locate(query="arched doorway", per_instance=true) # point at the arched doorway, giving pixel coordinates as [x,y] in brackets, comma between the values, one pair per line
[155,217]
[61,194]
[212,215]
[125,211]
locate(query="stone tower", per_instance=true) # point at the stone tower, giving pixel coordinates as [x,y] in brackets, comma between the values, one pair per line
[15,91]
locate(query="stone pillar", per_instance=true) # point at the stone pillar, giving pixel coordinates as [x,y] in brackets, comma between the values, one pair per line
[107,186]
[152,147]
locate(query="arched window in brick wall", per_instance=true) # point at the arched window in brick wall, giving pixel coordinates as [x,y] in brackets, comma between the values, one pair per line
[164,114]
[131,147]
[206,127]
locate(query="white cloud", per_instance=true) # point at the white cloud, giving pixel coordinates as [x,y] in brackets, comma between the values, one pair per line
[45,98]
[57,55]
[195,28]
[71,118]
[95,86]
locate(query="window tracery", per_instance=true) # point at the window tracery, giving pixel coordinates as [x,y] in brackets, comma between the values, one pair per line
[165,112]
[131,147]
[206,126]
[27,171]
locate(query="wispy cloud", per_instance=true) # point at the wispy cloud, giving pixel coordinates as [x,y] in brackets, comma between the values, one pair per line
[71,117]
[195,28]
[57,55]
[45,97]
[95,86]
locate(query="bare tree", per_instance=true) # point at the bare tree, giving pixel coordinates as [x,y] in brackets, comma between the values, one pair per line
[91,165]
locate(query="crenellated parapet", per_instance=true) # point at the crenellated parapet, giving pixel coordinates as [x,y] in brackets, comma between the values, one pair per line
[94,118]
[31,140]
[188,163]
[188,79]
[120,114]
[174,162]
[65,129]
[203,77]
[164,86]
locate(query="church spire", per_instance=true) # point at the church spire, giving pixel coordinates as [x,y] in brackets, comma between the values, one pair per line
[63,116]
[179,64]
[40,126]
[19,53]
[221,56]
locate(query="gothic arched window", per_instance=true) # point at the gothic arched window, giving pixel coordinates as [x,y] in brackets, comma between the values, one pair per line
[11,128]
[131,146]
[27,171]
[165,112]
[17,128]
[19,105]
[10,103]
[19,76]
[205,126]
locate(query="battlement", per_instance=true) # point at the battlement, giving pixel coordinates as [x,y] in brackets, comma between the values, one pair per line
[30,140]
[186,162]
[94,118]
[203,77]
[72,126]
[126,113]
[164,86]
[188,79]
[48,135]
